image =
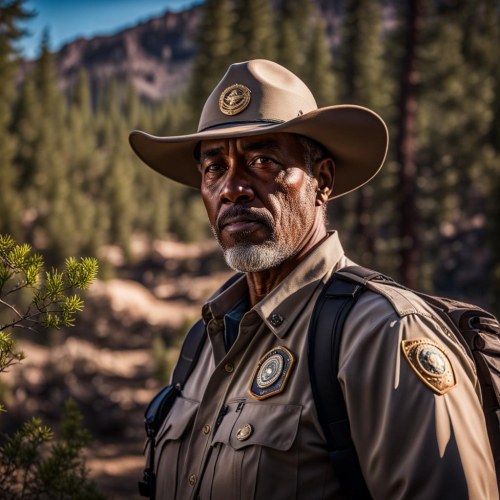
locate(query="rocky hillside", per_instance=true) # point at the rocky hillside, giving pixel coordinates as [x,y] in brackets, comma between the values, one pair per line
[154,56]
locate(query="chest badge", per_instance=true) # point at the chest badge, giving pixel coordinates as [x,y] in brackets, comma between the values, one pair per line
[431,363]
[271,374]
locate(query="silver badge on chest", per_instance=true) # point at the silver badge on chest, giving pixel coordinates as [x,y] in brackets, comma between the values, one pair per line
[271,374]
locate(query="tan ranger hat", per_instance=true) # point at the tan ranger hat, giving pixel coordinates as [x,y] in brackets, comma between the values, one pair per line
[259,97]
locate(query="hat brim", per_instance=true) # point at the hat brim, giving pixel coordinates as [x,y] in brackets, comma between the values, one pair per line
[356,137]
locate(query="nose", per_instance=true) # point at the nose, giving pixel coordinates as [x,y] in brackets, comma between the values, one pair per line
[236,188]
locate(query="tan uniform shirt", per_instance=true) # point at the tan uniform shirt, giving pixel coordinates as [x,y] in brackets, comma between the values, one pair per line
[412,443]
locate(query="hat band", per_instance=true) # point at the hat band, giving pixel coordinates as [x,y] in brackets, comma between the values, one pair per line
[241,122]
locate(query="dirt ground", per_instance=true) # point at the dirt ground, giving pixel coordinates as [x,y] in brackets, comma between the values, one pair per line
[107,364]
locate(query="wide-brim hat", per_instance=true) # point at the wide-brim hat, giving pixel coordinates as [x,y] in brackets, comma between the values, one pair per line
[259,97]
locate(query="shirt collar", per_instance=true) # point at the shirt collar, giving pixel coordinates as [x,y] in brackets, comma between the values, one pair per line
[281,307]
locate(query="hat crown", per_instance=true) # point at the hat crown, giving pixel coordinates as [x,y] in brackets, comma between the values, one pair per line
[264,92]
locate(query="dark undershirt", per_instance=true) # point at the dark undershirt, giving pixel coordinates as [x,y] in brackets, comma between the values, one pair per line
[232,320]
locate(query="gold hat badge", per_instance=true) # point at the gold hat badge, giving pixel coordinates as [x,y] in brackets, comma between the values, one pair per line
[234,99]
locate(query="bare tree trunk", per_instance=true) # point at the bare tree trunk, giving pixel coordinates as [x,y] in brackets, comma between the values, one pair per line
[409,215]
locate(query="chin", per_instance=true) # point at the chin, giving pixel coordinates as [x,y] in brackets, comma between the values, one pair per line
[251,258]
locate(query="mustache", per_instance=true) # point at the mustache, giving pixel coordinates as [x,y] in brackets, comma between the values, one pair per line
[252,213]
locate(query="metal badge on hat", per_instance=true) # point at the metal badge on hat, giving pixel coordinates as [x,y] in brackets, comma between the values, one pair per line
[271,374]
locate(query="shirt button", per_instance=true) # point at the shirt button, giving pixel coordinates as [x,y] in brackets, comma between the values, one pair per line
[244,330]
[206,429]
[229,368]
[276,319]
[192,479]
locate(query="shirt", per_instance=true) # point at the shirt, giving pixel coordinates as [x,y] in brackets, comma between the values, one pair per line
[411,442]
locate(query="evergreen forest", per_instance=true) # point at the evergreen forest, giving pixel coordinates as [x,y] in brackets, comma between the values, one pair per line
[70,184]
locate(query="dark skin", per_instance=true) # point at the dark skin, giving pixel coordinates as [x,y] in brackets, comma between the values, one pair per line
[267,174]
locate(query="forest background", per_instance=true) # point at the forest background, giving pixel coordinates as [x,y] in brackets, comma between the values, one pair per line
[70,185]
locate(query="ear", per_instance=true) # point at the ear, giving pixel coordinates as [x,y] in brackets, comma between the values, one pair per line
[324,173]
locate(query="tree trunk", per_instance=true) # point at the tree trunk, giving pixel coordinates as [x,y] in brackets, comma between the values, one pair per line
[365,227]
[409,216]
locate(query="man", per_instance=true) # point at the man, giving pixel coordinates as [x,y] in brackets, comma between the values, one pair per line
[267,161]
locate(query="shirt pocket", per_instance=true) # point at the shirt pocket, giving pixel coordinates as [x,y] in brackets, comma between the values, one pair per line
[171,446]
[265,463]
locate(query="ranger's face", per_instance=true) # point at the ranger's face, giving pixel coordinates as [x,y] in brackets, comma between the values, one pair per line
[259,197]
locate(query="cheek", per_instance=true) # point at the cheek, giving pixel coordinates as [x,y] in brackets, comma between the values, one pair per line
[294,201]
[210,206]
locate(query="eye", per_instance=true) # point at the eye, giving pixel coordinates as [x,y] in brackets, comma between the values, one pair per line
[262,160]
[214,167]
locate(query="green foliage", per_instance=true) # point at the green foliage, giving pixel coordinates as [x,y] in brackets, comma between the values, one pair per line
[71,184]
[11,13]
[319,75]
[34,468]
[214,38]
[253,36]
[51,304]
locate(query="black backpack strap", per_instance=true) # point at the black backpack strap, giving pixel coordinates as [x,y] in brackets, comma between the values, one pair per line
[325,333]
[161,404]
[190,352]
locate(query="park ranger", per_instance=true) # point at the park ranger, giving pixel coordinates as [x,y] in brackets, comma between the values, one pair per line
[245,425]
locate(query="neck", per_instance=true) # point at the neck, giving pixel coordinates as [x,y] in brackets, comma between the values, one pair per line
[261,283]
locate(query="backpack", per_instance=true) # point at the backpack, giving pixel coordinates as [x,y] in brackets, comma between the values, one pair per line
[162,403]
[475,328]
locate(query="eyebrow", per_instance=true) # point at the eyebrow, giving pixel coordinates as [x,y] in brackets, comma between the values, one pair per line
[251,146]
[209,153]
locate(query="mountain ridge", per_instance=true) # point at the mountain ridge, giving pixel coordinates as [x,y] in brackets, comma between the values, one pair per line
[154,56]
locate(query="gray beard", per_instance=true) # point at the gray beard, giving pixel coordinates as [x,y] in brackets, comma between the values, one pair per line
[246,258]
[249,258]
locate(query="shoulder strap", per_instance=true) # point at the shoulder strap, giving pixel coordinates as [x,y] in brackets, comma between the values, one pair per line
[161,404]
[325,332]
[190,352]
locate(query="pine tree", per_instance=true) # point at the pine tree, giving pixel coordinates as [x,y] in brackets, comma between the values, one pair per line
[290,53]
[359,64]
[318,69]
[87,170]
[10,202]
[293,35]
[214,39]
[360,54]
[131,107]
[253,31]
[51,190]
[409,223]
[455,151]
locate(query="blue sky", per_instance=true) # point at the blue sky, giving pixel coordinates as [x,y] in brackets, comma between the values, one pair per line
[71,19]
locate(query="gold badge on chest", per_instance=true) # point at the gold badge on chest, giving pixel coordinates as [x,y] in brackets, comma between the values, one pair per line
[271,374]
